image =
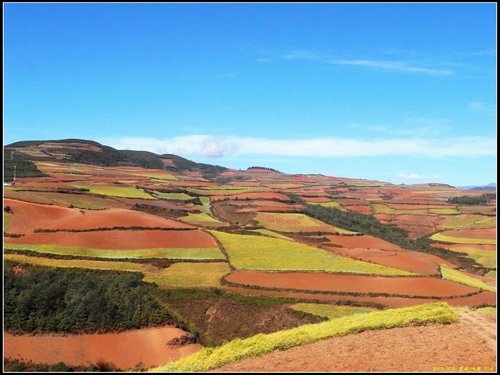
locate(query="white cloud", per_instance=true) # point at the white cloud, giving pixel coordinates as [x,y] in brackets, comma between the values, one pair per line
[300,55]
[219,146]
[478,106]
[394,66]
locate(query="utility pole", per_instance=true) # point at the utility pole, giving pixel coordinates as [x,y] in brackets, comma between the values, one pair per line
[14,173]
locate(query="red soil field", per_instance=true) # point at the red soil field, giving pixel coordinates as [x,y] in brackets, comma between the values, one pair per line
[271,208]
[114,217]
[144,347]
[489,233]
[122,239]
[365,241]
[480,299]
[411,261]
[407,286]
[30,216]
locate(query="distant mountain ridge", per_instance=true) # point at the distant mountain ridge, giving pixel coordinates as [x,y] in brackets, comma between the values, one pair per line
[491,186]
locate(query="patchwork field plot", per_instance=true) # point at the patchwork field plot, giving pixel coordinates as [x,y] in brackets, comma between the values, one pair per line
[468,222]
[117,191]
[122,239]
[149,253]
[190,275]
[462,240]
[463,278]
[296,223]
[352,284]
[265,253]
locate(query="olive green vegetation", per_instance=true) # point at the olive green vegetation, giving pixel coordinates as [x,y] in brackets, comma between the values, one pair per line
[468,200]
[465,240]
[329,311]
[184,275]
[174,196]
[21,163]
[467,222]
[492,274]
[238,349]
[486,258]
[266,254]
[459,277]
[199,217]
[191,275]
[7,218]
[208,253]
[118,191]
[270,233]
[46,299]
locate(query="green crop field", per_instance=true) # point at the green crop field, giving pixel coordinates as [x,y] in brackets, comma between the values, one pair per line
[486,258]
[465,240]
[290,223]
[190,275]
[173,196]
[459,277]
[201,217]
[160,253]
[118,191]
[384,209]
[238,349]
[7,217]
[155,175]
[468,222]
[267,254]
[270,233]
[329,311]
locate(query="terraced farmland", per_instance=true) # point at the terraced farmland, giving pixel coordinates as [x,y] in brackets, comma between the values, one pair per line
[235,253]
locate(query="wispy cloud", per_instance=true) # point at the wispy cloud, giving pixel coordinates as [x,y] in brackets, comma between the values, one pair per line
[301,55]
[417,176]
[394,66]
[220,146]
[478,106]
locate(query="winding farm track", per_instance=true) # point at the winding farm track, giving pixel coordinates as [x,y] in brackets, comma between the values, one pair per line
[466,346]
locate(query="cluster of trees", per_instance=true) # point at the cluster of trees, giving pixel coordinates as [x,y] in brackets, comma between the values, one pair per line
[478,199]
[46,299]
[22,164]
[265,168]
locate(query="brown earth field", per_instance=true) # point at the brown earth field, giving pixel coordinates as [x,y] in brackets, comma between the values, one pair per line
[140,348]
[481,299]
[411,261]
[122,239]
[489,233]
[400,286]
[466,346]
[403,206]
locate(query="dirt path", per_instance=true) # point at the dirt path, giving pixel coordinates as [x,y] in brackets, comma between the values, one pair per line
[466,346]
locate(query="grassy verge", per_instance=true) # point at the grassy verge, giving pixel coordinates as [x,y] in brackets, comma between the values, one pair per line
[161,253]
[459,277]
[238,349]
[329,311]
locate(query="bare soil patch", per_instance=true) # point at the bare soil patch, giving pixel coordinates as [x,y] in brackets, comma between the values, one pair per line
[441,348]
[136,348]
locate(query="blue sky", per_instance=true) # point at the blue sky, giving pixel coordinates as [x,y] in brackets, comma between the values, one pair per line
[403,93]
